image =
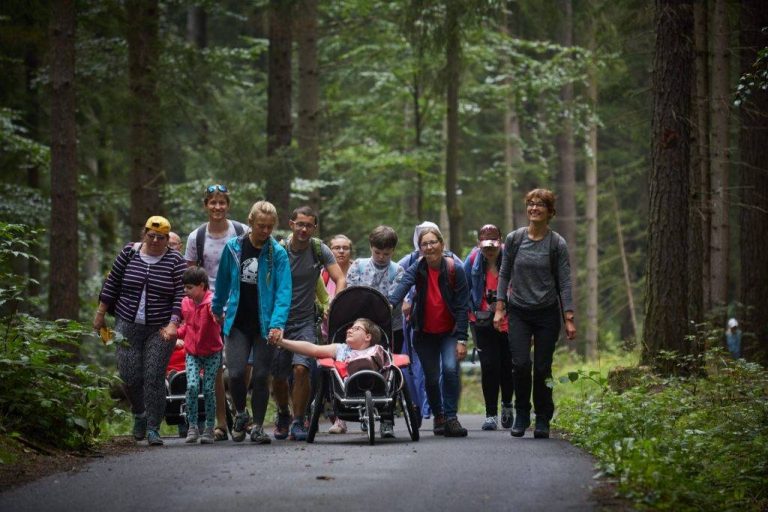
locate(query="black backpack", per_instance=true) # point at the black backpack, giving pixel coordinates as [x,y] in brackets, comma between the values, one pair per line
[200,238]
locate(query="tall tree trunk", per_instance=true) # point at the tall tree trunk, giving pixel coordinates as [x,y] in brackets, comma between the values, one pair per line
[63,299]
[666,293]
[453,77]
[566,211]
[624,261]
[197,26]
[591,178]
[753,215]
[147,177]
[307,133]
[279,86]
[513,154]
[721,99]
[31,65]
[700,187]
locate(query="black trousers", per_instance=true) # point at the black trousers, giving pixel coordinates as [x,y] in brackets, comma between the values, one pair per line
[496,367]
[540,328]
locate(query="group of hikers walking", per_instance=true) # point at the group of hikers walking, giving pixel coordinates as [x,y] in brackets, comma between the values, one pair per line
[239,297]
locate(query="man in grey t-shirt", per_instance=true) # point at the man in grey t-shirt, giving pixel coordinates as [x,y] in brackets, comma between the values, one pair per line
[307,258]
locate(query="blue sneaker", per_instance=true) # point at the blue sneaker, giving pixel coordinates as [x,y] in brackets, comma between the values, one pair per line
[298,432]
[140,427]
[281,426]
[153,438]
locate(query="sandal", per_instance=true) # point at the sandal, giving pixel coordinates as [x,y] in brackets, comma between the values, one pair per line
[220,434]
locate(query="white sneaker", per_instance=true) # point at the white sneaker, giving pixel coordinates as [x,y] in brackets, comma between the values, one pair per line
[490,423]
[192,434]
[338,427]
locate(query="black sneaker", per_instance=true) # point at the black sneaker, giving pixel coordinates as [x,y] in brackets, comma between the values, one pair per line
[454,429]
[438,425]
[522,422]
[541,430]
[140,427]
[507,416]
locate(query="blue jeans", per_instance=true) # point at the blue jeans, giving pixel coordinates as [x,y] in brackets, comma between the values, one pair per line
[434,351]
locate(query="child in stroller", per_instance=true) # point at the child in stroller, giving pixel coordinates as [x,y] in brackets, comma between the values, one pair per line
[360,376]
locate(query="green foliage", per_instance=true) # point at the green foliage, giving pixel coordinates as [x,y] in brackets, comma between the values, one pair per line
[45,394]
[695,443]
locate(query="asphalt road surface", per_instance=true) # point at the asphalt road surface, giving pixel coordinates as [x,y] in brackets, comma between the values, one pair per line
[486,471]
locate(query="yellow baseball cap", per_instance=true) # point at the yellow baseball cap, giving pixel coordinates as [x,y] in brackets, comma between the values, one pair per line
[159,224]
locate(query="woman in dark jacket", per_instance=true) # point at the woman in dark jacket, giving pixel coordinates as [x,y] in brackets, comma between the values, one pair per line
[439,318]
[145,289]
[482,269]
[536,263]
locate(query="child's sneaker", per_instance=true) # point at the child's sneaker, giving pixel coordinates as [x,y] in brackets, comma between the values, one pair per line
[490,423]
[338,427]
[298,432]
[258,435]
[238,430]
[153,438]
[507,416]
[281,425]
[192,434]
[208,436]
[140,427]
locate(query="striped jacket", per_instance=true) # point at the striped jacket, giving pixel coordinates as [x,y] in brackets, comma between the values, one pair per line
[126,280]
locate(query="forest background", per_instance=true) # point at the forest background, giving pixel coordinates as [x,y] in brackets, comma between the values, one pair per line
[647,119]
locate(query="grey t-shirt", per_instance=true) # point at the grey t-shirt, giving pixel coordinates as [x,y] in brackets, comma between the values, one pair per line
[212,250]
[304,274]
[533,285]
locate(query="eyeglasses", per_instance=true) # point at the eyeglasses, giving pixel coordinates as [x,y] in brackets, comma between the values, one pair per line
[537,204]
[358,328]
[341,248]
[155,237]
[217,188]
[428,244]
[303,225]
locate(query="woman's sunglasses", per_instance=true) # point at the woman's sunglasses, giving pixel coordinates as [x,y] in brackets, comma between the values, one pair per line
[216,188]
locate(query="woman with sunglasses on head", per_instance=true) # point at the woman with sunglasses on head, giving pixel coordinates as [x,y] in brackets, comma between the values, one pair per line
[536,271]
[439,319]
[145,289]
[204,248]
[482,269]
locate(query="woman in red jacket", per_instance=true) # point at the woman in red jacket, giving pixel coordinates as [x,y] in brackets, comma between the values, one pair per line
[202,342]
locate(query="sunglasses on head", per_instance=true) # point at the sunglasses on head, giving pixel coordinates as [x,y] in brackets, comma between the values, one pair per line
[216,188]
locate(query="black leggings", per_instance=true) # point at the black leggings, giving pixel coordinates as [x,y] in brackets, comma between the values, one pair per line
[496,367]
[542,327]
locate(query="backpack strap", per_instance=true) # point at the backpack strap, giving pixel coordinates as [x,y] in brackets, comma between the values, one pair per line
[392,271]
[326,276]
[202,229]
[317,250]
[451,271]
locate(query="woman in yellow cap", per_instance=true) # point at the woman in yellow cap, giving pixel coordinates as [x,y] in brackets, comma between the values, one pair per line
[144,291]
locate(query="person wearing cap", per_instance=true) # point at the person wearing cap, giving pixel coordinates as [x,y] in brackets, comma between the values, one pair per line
[733,338]
[535,263]
[144,289]
[482,270]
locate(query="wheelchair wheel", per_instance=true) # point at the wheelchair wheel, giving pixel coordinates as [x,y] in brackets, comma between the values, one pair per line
[371,418]
[410,413]
[317,409]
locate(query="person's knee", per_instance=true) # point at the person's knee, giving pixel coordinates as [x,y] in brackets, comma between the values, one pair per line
[300,372]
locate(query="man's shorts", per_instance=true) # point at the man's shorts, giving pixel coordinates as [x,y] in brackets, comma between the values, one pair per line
[285,360]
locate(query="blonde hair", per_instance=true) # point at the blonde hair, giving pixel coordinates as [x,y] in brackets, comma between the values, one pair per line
[264,208]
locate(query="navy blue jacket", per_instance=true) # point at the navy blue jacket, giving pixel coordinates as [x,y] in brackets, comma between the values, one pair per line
[456,298]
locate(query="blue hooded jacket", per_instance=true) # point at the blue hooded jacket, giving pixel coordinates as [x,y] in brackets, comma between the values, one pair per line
[275,285]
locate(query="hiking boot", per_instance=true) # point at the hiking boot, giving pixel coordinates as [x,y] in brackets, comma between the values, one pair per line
[139,427]
[238,430]
[297,432]
[208,436]
[522,422]
[541,430]
[438,425]
[454,429]
[153,438]
[192,434]
[490,423]
[338,427]
[281,425]
[387,429]
[507,416]
[258,435]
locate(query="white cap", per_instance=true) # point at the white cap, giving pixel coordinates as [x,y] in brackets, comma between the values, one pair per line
[732,323]
[419,228]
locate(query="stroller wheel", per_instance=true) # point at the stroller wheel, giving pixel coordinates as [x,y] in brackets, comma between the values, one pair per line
[411,413]
[370,417]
